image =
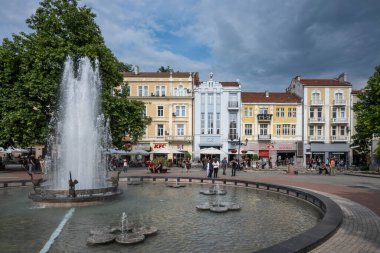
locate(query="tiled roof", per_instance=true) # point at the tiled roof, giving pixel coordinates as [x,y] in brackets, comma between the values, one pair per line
[357,91]
[274,97]
[231,84]
[323,82]
[158,74]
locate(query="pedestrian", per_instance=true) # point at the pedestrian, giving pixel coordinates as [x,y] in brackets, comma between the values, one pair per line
[125,165]
[215,166]
[210,169]
[332,167]
[31,164]
[224,165]
[187,165]
[234,167]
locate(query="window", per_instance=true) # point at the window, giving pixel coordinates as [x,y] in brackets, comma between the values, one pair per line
[339,97]
[248,112]
[142,91]
[315,97]
[311,130]
[263,129]
[218,123]
[319,130]
[286,129]
[160,111]
[180,129]
[245,112]
[180,110]
[342,130]
[160,130]
[248,129]
[334,112]
[202,123]
[210,98]
[280,112]
[233,100]
[160,91]
[312,112]
[333,131]
[293,129]
[342,113]
[203,99]
[233,126]
[264,110]
[210,123]
[278,129]
[292,112]
[218,99]
[319,112]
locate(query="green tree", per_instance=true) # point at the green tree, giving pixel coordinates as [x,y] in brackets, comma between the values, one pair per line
[367,110]
[163,69]
[31,67]
[124,67]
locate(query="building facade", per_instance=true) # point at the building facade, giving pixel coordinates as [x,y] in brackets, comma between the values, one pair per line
[326,117]
[217,116]
[168,98]
[272,126]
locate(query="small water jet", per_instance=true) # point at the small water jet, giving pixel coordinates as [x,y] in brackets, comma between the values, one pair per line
[176,185]
[218,206]
[214,190]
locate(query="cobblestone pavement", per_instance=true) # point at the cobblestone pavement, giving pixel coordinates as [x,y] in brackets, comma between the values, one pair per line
[358,197]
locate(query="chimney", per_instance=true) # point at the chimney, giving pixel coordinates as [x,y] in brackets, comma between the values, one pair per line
[342,77]
[298,78]
[136,70]
[267,94]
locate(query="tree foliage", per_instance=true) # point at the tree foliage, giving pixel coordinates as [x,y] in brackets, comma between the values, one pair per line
[367,110]
[31,67]
[163,69]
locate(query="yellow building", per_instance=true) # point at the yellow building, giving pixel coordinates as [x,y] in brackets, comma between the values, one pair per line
[168,98]
[272,124]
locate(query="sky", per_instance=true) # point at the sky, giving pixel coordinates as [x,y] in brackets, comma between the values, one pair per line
[261,43]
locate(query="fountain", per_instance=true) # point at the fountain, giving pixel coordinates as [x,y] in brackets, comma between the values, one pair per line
[176,185]
[76,150]
[125,234]
[218,206]
[214,190]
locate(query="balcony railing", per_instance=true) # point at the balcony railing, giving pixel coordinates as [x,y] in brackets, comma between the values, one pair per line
[264,137]
[317,120]
[233,104]
[318,138]
[316,102]
[179,138]
[339,120]
[339,102]
[264,117]
[338,138]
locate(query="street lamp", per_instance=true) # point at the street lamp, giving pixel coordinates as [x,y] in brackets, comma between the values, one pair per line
[238,142]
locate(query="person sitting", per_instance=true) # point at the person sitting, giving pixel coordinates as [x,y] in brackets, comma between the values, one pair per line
[159,168]
[323,169]
[151,167]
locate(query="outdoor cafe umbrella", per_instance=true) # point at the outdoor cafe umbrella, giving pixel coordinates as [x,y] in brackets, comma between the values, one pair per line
[113,151]
[138,152]
[165,151]
[210,151]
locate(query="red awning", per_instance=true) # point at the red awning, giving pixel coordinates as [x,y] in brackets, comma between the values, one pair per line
[264,153]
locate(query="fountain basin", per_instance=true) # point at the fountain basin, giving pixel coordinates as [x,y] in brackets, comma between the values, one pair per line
[101,239]
[213,192]
[130,238]
[61,198]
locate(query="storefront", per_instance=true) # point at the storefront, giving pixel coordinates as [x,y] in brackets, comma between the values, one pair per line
[325,151]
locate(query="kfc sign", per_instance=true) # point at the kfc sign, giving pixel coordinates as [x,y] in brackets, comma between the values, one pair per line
[157,145]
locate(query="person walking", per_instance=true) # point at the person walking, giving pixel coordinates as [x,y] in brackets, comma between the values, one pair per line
[125,165]
[215,166]
[187,165]
[224,165]
[332,167]
[234,167]
[210,169]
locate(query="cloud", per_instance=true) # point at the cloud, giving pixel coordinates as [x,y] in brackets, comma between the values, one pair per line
[263,43]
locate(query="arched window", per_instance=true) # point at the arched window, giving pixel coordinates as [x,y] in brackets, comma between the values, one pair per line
[339,97]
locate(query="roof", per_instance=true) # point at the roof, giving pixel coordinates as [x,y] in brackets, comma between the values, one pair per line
[158,74]
[274,97]
[230,84]
[357,91]
[323,82]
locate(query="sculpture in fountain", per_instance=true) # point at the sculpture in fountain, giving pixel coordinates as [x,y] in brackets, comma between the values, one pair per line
[81,136]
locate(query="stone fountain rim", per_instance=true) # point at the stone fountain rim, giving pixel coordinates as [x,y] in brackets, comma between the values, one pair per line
[304,242]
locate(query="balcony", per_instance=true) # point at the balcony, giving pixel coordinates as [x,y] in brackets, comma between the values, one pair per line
[320,120]
[233,105]
[317,138]
[316,102]
[339,121]
[264,137]
[264,117]
[179,138]
[340,102]
[339,138]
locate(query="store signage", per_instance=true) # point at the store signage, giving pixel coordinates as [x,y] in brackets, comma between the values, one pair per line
[158,145]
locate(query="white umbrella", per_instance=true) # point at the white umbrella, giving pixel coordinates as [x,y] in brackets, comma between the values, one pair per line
[139,152]
[113,151]
[165,151]
[211,151]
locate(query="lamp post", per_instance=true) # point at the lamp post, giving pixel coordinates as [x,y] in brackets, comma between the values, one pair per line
[239,143]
